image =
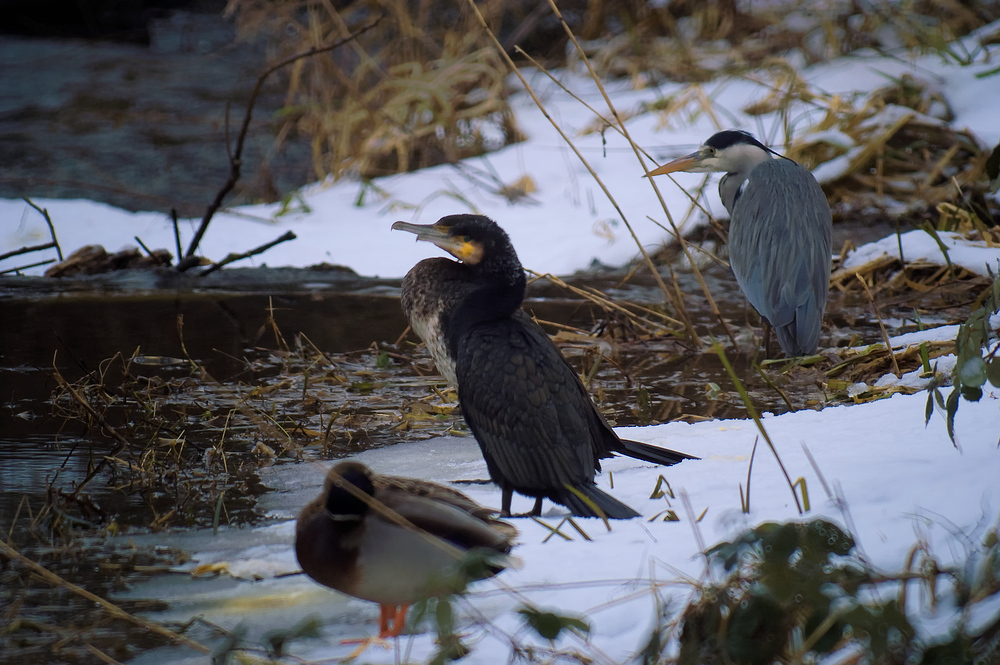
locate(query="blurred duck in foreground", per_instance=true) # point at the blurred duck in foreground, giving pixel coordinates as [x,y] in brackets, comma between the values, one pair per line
[394,540]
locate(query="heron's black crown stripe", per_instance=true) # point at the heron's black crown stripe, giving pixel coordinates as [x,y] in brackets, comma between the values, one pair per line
[731,137]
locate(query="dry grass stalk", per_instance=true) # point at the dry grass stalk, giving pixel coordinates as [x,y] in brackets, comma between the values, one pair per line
[639,157]
[901,133]
[415,92]
[606,303]
[679,305]
[112,609]
[881,325]
[698,41]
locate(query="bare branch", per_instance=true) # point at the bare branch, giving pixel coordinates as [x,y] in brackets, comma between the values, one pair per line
[236,160]
[288,235]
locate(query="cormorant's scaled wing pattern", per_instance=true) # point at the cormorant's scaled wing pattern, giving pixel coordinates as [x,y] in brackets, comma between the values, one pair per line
[543,446]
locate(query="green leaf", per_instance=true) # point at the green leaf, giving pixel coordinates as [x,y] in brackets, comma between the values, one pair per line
[993,163]
[925,361]
[951,407]
[938,398]
[929,409]
[972,393]
[972,372]
[886,626]
[756,632]
[383,360]
[549,625]
[993,372]
[445,617]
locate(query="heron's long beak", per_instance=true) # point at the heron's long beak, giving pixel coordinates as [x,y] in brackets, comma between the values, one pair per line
[680,164]
[462,248]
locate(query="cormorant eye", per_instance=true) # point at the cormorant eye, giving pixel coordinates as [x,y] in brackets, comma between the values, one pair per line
[466,238]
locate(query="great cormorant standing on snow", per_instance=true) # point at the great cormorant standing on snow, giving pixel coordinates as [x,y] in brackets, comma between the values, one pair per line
[539,432]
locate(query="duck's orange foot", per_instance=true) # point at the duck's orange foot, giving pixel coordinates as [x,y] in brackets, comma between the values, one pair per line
[396,616]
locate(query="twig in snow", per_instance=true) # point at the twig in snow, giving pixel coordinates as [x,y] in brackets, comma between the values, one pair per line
[52,229]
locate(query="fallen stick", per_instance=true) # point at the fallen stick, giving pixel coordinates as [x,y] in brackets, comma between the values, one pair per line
[27,249]
[52,227]
[30,265]
[112,609]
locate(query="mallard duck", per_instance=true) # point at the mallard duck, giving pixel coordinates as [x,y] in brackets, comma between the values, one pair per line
[393,540]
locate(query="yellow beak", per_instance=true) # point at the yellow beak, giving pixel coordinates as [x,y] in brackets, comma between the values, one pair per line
[679,164]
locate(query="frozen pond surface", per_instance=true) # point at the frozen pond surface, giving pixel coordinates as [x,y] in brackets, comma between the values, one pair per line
[897,480]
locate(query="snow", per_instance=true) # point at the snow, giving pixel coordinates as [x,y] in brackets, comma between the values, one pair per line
[975,255]
[895,480]
[568,223]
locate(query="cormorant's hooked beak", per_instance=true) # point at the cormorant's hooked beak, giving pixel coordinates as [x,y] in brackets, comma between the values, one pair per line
[692,162]
[462,248]
[429,232]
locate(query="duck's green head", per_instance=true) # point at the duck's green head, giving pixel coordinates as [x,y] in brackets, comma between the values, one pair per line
[344,485]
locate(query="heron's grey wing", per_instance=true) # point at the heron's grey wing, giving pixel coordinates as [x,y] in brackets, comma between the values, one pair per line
[780,248]
[521,401]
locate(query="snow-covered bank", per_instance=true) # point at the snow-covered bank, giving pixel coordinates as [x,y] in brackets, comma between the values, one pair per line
[564,225]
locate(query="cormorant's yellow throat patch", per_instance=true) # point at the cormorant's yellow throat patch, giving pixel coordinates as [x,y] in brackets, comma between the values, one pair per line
[463,248]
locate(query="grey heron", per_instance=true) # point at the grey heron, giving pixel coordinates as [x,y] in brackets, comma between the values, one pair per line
[779,233]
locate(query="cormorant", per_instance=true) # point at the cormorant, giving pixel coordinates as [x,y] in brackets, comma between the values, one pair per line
[535,423]
[346,540]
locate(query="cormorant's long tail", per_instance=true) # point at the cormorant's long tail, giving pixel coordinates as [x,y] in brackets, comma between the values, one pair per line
[609,505]
[650,453]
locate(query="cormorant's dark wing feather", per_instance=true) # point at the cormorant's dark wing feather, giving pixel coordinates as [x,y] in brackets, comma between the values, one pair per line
[521,400]
[650,453]
[609,506]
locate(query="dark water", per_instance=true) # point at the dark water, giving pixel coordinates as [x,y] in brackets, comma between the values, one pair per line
[641,381]
[76,326]
[143,127]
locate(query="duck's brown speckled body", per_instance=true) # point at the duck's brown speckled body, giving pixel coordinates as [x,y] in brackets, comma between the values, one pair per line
[359,546]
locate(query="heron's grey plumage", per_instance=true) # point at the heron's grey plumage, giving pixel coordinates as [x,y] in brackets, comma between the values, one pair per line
[780,248]
[780,232]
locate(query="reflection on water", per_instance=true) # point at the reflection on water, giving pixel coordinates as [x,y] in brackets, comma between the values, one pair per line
[634,379]
[641,381]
